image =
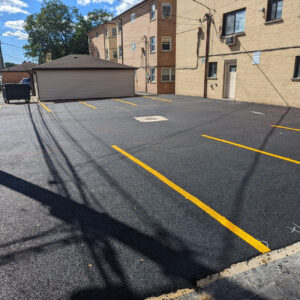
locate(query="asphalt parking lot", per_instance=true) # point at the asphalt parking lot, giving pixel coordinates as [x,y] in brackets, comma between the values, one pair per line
[98,205]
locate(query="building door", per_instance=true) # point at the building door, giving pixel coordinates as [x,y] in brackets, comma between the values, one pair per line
[231,80]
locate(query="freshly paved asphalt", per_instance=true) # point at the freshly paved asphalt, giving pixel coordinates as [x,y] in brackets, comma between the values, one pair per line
[81,221]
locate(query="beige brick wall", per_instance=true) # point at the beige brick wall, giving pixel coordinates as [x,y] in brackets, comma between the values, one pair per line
[270,81]
[135,32]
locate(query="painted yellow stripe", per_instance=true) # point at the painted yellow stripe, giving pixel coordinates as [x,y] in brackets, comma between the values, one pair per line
[288,128]
[47,109]
[222,220]
[161,99]
[92,106]
[130,103]
[253,149]
[0,106]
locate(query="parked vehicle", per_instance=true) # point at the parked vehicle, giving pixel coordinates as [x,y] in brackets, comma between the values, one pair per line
[12,91]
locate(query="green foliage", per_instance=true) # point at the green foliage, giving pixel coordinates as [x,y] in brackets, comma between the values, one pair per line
[58,30]
[9,64]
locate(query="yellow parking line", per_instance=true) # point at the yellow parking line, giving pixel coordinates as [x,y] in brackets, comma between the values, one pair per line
[125,102]
[289,128]
[222,220]
[253,149]
[48,110]
[92,106]
[161,99]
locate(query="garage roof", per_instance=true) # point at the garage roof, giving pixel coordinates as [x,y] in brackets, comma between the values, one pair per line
[81,62]
[26,67]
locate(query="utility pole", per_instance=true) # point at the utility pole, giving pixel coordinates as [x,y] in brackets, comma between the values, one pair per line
[208,19]
[2,65]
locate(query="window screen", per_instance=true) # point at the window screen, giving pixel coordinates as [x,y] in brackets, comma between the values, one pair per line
[212,70]
[274,10]
[297,67]
[234,22]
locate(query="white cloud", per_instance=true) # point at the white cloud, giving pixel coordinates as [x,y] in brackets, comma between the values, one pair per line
[19,34]
[16,25]
[13,6]
[126,5]
[86,2]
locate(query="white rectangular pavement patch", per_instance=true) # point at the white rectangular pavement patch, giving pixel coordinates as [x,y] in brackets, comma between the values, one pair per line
[151,119]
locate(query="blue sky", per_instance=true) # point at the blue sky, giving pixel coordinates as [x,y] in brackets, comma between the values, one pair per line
[14,12]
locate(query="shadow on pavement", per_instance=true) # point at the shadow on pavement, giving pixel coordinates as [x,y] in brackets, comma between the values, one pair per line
[98,229]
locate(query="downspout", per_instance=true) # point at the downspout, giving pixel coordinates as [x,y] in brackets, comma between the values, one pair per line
[105,43]
[146,63]
[122,41]
[208,18]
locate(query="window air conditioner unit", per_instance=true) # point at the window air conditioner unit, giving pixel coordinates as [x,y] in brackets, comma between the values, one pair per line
[230,41]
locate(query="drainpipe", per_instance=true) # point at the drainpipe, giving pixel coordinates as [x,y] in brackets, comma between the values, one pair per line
[104,43]
[146,63]
[208,18]
[122,41]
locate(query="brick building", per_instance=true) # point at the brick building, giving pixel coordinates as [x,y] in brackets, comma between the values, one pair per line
[16,73]
[253,51]
[143,37]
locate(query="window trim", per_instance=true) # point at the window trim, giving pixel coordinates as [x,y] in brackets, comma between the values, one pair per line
[208,75]
[224,22]
[112,30]
[107,56]
[170,75]
[132,17]
[169,37]
[152,51]
[120,51]
[297,66]
[106,32]
[115,52]
[162,12]
[152,81]
[119,26]
[268,13]
[153,11]
[133,43]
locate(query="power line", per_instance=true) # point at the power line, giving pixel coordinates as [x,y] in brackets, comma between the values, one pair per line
[12,45]
[175,15]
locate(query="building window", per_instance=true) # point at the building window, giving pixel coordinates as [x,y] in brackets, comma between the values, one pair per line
[132,18]
[297,68]
[133,46]
[120,51]
[152,75]
[98,54]
[166,10]
[234,22]
[106,54]
[97,34]
[115,54]
[274,10]
[168,74]
[152,12]
[152,44]
[212,70]
[106,32]
[114,31]
[166,43]
[120,26]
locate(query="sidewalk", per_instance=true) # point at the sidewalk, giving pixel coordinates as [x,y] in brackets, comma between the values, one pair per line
[271,276]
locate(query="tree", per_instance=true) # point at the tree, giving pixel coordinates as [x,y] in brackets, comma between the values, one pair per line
[9,64]
[58,30]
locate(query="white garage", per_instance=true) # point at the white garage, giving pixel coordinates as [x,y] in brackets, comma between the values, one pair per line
[82,76]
